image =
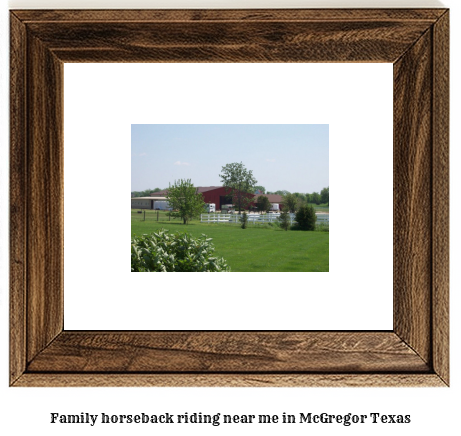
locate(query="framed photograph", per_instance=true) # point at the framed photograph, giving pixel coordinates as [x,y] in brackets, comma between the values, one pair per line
[414,353]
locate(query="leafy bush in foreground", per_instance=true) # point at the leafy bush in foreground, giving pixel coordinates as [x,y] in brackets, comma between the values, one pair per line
[180,252]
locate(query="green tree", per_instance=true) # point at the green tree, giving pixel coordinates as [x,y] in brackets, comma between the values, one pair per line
[185,200]
[315,198]
[325,195]
[301,197]
[263,204]
[290,202]
[240,183]
[284,219]
[260,188]
[305,217]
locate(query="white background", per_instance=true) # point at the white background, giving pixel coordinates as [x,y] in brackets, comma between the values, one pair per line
[354,99]
[432,410]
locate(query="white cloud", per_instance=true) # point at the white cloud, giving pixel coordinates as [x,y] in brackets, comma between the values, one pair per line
[270,160]
[181,163]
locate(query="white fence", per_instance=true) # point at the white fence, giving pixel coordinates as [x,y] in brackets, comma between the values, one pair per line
[323,218]
[254,218]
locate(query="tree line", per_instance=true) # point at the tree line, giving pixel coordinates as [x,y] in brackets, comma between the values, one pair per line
[313,198]
[145,193]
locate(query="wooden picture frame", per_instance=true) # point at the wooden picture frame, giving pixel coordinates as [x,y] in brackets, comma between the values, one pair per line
[414,353]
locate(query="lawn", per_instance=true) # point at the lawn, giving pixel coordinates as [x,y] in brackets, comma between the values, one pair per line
[254,249]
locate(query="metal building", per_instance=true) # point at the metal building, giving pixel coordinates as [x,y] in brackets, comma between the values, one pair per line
[145,202]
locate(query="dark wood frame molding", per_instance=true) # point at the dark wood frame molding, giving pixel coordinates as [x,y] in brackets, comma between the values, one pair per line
[414,353]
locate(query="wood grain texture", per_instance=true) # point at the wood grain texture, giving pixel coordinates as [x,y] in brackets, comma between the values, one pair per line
[414,354]
[230,380]
[44,196]
[441,210]
[227,352]
[413,196]
[312,41]
[185,15]
[229,35]
[18,204]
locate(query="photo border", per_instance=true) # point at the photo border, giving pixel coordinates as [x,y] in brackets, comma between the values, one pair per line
[414,353]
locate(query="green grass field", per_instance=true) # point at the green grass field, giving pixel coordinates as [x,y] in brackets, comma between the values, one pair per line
[257,248]
[322,208]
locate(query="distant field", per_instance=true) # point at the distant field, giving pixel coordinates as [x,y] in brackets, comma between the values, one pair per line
[322,208]
[255,249]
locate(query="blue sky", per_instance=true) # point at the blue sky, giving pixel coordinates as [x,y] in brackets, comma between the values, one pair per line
[293,157]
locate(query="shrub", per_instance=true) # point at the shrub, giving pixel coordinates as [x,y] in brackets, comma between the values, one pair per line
[244,220]
[305,217]
[284,219]
[322,227]
[180,252]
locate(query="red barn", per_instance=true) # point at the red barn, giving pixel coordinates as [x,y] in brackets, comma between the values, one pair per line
[211,194]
